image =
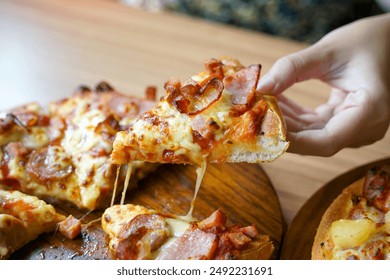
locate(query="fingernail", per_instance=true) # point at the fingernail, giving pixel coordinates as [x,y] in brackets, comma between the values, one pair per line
[266,84]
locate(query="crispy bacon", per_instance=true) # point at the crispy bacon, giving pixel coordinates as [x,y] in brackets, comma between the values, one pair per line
[242,85]
[215,223]
[192,98]
[143,234]
[202,132]
[250,231]
[214,68]
[70,227]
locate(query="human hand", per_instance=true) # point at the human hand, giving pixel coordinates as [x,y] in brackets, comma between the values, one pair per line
[355,61]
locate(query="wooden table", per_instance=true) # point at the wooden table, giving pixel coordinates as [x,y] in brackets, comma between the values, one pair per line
[48,48]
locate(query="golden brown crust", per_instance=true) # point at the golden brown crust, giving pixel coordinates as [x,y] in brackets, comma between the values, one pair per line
[22,219]
[273,123]
[261,248]
[339,209]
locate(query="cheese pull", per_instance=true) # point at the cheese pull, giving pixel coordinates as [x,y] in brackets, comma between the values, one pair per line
[351,233]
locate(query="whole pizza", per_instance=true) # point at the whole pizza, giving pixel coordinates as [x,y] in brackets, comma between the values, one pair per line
[357,224]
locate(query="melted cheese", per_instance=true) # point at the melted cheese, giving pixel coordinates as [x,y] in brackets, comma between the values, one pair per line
[118,170]
[177,228]
[127,180]
[200,171]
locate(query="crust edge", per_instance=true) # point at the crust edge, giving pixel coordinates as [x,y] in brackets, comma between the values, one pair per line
[338,209]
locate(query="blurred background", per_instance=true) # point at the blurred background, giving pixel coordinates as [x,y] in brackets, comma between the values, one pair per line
[301,20]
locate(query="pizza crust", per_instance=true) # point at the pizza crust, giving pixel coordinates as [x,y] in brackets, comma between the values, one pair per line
[272,142]
[337,210]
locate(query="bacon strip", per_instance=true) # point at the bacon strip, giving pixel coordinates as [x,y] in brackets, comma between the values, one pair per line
[193,98]
[193,244]
[242,85]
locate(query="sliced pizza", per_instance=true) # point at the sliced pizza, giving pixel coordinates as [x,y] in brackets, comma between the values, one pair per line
[357,224]
[22,219]
[136,232]
[215,116]
[61,152]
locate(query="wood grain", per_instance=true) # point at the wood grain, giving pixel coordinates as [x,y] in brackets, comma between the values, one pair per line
[242,191]
[300,235]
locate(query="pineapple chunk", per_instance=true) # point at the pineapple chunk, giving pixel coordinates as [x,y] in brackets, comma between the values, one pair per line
[350,233]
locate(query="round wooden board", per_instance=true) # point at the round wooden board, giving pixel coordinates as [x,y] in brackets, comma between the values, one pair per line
[242,191]
[299,237]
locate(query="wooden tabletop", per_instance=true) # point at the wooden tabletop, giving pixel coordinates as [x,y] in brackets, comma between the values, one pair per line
[48,48]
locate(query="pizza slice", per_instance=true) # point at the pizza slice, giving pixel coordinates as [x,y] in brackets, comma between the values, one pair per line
[357,223]
[22,219]
[61,152]
[136,232]
[215,116]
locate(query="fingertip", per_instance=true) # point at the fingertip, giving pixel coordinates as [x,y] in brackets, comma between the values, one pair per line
[312,143]
[266,85]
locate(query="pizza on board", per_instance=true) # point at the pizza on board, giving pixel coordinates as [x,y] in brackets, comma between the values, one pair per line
[357,223]
[69,152]
[136,232]
[61,152]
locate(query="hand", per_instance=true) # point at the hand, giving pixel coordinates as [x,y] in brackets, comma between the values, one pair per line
[355,61]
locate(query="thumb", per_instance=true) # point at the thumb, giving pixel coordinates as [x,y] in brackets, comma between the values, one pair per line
[300,66]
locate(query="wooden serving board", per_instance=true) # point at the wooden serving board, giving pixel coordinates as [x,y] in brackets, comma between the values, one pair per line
[300,235]
[242,191]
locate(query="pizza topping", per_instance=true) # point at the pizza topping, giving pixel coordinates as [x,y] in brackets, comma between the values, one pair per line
[194,244]
[49,163]
[351,233]
[377,189]
[203,133]
[361,210]
[214,223]
[103,87]
[70,227]
[238,239]
[10,121]
[143,234]
[250,231]
[108,128]
[192,98]
[214,68]
[151,93]
[242,85]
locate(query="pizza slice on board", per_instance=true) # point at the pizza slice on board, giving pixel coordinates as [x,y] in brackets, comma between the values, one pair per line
[136,232]
[61,152]
[22,219]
